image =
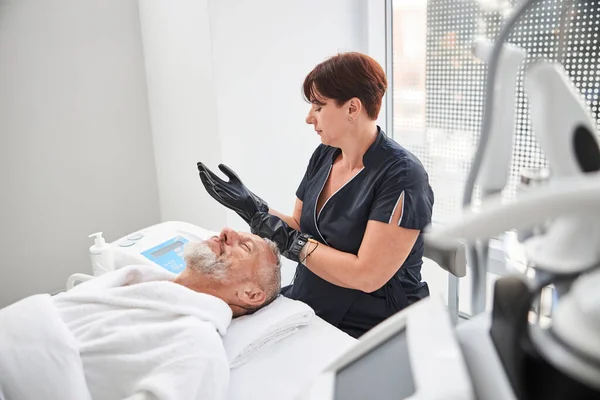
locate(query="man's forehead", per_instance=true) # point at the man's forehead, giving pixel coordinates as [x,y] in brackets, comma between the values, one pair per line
[262,246]
[252,236]
[257,240]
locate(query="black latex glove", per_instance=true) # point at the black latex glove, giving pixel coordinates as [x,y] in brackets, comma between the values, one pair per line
[233,194]
[289,241]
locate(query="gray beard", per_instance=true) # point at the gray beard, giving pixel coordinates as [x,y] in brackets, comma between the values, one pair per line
[199,257]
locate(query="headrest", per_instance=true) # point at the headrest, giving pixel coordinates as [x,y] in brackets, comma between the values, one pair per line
[249,334]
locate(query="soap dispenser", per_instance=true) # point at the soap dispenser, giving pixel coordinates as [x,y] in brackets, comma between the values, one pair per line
[101,255]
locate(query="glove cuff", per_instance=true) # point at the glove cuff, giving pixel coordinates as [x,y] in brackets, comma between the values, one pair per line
[294,249]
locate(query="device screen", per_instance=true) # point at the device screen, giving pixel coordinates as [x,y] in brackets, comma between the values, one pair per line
[166,249]
[168,254]
[383,373]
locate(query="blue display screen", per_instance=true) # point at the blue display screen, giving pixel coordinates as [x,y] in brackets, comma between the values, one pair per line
[169,254]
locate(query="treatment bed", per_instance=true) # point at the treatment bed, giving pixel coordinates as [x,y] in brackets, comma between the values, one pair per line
[284,369]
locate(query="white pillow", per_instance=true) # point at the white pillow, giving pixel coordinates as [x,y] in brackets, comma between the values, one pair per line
[249,334]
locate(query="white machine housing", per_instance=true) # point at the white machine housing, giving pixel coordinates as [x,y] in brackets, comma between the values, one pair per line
[495,166]
[566,132]
[164,238]
[434,367]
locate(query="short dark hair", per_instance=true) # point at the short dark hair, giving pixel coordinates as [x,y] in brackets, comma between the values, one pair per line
[348,75]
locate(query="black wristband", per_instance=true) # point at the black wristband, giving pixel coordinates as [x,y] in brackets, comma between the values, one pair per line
[293,252]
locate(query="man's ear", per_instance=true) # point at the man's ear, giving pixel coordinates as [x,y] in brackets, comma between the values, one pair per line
[252,296]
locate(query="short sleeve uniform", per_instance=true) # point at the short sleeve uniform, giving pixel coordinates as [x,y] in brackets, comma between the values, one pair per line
[392,177]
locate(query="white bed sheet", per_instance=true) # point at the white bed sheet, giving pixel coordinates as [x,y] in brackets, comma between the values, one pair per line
[284,369]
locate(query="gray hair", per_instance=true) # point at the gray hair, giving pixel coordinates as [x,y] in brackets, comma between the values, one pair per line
[199,257]
[269,275]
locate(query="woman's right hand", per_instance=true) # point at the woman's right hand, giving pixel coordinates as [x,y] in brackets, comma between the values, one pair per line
[232,194]
[289,240]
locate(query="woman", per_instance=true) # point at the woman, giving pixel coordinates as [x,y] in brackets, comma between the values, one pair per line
[360,208]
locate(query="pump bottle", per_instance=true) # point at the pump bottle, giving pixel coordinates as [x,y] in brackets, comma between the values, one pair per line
[101,255]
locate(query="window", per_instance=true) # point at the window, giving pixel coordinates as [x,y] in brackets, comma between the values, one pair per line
[438,85]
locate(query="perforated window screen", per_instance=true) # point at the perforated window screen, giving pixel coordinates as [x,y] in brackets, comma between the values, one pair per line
[438,85]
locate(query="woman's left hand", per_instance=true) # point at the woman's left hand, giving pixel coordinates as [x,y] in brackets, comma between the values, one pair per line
[232,194]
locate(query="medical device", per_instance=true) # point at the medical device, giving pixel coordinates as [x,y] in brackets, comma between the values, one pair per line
[413,354]
[160,244]
[493,172]
[562,360]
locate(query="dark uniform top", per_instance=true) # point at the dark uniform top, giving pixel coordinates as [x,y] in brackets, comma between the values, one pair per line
[373,194]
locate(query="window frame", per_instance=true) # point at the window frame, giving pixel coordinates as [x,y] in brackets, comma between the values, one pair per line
[380,47]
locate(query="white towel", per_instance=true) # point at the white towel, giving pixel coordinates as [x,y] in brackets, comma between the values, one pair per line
[140,334]
[39,358]
[248,335]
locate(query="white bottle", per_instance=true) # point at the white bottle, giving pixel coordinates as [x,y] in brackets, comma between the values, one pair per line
[101,255]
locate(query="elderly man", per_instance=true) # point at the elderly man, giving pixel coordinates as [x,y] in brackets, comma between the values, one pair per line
[141,332]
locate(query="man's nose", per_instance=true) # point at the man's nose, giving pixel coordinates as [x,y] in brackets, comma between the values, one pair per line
[229,236]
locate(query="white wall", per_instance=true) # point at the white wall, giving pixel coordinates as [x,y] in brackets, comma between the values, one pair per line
[224,85]
[177,49]
[262,52]
[75,146]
